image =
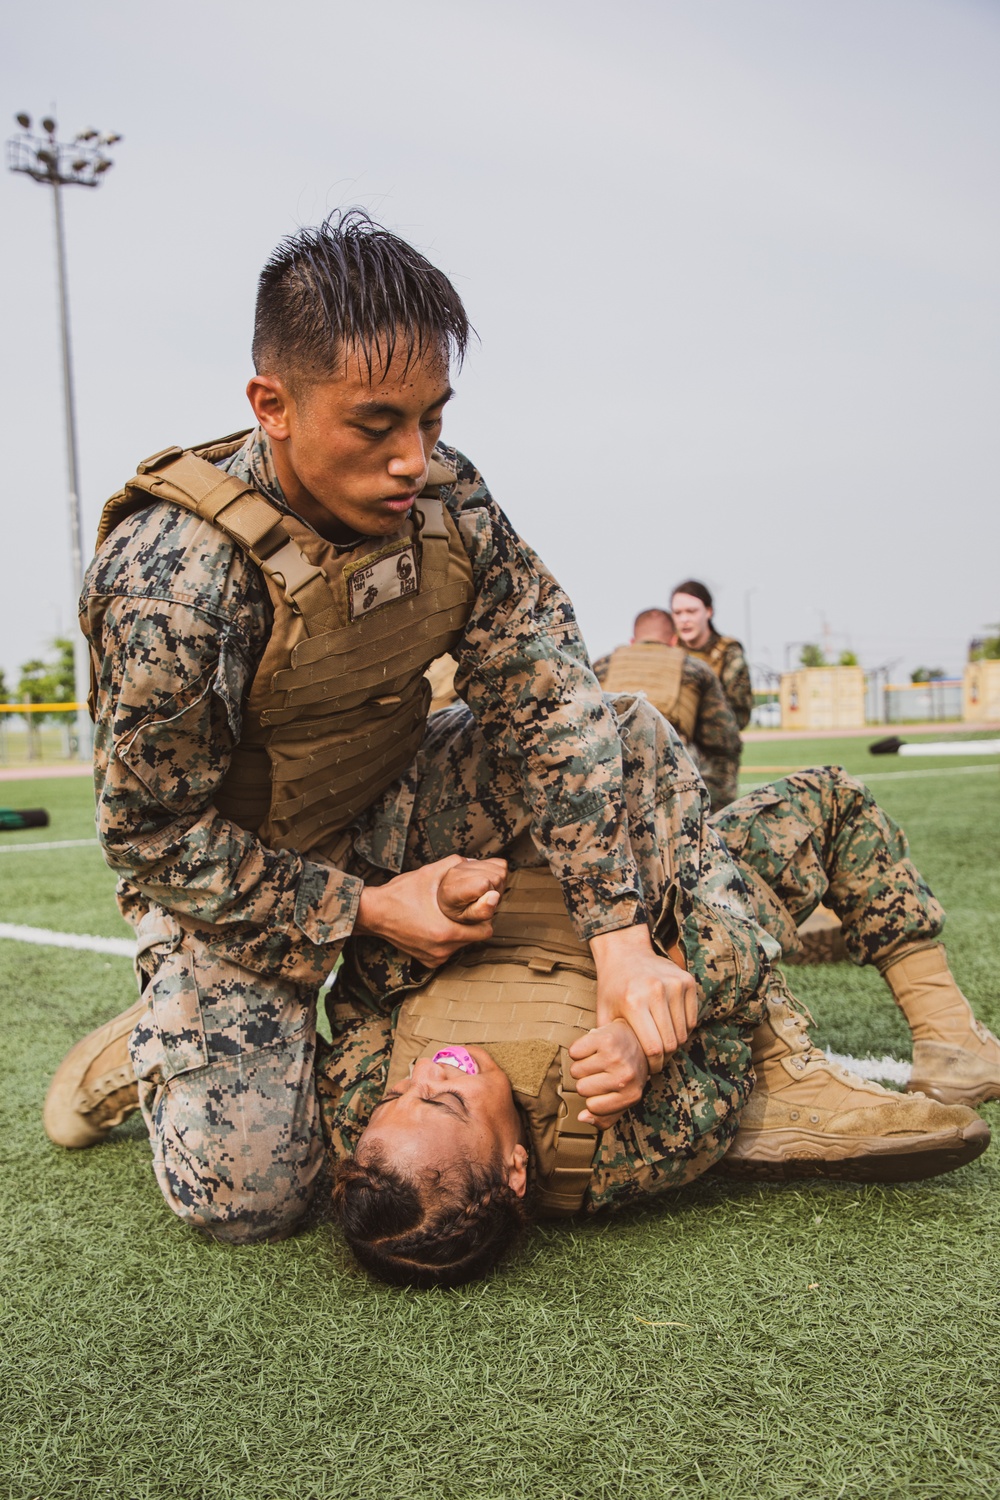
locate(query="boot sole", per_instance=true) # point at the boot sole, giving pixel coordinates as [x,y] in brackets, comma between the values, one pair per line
[881,1159]
[64,1125]
[973,1095]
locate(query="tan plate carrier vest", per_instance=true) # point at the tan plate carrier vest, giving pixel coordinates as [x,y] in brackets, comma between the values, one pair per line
[715,655]
[337,707]
[658,671]
[525,996]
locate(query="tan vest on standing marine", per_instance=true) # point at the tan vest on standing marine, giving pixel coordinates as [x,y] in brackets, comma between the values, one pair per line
[337,707]
[524,996]
[715,654]
[658,671]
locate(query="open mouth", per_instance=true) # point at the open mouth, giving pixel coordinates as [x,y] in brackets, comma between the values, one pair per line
[457,1057]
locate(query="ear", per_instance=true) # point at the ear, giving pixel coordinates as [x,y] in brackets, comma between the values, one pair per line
[517,1170]
[272,405]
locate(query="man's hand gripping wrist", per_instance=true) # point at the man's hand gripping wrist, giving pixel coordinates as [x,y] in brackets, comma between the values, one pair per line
[654,995]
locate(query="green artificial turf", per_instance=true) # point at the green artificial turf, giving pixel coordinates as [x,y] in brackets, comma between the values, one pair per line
[785,1343]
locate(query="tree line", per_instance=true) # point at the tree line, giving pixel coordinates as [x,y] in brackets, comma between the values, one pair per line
[43,681]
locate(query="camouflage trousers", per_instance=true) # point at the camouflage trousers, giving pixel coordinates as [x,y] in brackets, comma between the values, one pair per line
[226,1060]
[816,836]
[821,836]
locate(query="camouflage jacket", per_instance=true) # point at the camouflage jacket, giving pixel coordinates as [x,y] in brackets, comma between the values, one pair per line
[716,733]
[177,618]
[734,676]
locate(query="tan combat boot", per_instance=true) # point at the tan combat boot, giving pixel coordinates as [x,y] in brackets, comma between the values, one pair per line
[808,1117]
[955,1058]
[94,1086]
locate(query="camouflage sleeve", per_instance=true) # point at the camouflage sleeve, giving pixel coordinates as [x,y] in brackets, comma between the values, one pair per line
[176,622]
[736,684]
[523,669]
[716,731]
[351,1073]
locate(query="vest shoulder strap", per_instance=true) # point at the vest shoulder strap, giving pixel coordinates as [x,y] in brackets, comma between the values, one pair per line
[239,511]
[718,651]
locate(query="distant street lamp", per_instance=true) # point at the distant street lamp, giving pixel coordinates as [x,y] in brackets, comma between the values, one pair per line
[748,594]
[82,162]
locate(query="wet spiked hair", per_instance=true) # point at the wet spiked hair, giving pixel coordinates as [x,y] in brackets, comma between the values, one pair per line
[350,282]
[442,1231]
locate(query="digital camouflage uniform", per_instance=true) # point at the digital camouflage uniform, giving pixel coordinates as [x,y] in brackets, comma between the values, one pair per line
[815,836]
[235,938]
[820,837]
[721,769]
[715,743]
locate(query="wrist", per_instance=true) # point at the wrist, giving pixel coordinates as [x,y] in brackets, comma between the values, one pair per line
[622,945]
[369,920]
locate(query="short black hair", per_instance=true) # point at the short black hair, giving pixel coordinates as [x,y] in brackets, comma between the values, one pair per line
[349,281]
[442,1231]
[696,590]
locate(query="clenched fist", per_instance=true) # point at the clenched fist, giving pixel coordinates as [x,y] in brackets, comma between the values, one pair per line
[432,912]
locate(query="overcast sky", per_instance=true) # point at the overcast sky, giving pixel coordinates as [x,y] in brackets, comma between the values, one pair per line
[735,269]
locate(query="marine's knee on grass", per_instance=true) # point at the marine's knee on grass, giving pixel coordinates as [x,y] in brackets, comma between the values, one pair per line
[225,1063]
[438,1227]
[238,1174]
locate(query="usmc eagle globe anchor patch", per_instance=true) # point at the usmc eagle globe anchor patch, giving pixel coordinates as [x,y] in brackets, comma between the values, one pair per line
[381,577]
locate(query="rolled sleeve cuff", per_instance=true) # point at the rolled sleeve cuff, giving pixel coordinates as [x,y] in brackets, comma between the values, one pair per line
[597,906]
[326,903]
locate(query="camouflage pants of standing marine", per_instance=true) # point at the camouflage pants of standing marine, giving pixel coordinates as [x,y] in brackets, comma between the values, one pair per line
[226,1059]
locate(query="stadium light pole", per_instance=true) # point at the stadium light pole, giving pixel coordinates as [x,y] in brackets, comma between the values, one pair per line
[80,163]
[747,596]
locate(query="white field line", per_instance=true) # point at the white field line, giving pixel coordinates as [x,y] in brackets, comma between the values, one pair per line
[122,947]
[889,1068]
[949,747]
[947,771]
[881,1069]
[51,844]
[884,775]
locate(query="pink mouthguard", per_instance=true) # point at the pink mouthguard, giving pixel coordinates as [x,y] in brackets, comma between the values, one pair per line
[457,1057]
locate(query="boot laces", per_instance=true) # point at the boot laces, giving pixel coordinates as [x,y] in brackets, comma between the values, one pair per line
[812,1056]
[795,1022]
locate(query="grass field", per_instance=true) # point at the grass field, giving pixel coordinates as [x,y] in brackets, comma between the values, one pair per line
[790,1343]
